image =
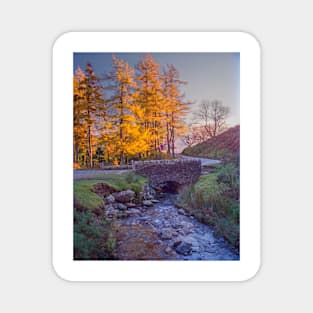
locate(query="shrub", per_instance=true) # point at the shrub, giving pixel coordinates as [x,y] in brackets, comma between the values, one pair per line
[131,177]
[229,230]
[93,237]
[213,201]
[229,175]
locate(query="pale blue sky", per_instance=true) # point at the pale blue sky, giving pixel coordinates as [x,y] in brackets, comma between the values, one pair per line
[208,75]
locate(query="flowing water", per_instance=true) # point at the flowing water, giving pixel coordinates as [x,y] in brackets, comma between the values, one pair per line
[164,232]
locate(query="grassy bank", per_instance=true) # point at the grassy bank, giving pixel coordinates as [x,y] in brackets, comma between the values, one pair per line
[225,146]
[94,236]
[85,196]
[214,200]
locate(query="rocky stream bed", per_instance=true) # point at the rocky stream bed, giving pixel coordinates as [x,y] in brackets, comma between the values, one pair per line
[161,231]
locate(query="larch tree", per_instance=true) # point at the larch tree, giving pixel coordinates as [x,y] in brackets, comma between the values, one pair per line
[79,125]
[124,138]
[175,107]
[142,112]
[150,99]
[88,104]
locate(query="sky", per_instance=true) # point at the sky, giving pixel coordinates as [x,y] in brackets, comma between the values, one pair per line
[209,76]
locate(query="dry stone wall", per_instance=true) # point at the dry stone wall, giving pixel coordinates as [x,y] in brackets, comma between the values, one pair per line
[183,172]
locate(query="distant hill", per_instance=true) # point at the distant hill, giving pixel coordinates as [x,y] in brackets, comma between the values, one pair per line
[225,146]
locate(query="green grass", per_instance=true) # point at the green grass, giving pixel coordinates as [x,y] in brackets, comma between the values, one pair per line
[206,181]
[211,202]
[85,198]
[125,181]
[94,237]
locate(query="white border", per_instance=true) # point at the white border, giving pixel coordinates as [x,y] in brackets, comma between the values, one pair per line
[63,50]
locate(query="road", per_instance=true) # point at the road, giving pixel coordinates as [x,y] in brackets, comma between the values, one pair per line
[204,161]
[89,174]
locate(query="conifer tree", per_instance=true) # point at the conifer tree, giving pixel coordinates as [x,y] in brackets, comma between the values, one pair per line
[124,138]
[78,114]
[88,104]
[150,99]
[175,107]
[141,112]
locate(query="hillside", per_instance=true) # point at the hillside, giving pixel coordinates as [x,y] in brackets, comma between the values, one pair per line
[225,146]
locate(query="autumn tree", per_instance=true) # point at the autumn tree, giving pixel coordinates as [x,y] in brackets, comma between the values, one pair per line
[79,126]
[124,137]
[142,111]
[174,107]
[88,105]
[150,99]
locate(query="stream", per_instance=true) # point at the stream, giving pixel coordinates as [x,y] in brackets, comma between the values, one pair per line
[165,232]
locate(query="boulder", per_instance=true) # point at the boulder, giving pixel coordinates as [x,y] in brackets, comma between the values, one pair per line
[181,211]
[184,248]
[124,196]
[194,242]
[130,205]
[168,250]
[186,228]
[167,233]
[147,203]
[147,192]
[122,214]
[110,212]
[109,208]
[121,206]
[134,212]
[109,199]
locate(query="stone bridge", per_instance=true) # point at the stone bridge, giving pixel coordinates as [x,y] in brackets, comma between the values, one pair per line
[179,171]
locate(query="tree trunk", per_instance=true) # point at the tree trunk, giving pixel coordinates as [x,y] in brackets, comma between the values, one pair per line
[173,137]
[168,139]
[76,152]
[89,148]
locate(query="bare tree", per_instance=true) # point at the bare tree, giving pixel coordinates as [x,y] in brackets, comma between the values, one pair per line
[196,134]
[212,115]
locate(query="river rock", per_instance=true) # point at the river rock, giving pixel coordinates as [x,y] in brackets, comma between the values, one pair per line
[147,203]
[122,214]
[194,242]
[176,223]
[134,212]
[110,212]
[181,211]
[109,208]
[109,199]
[130,205]
[155,201]
[168,250]
[147,192]
[167,233]
[124,196]
[121,206]
[186,228]
[157,223]
[184,248]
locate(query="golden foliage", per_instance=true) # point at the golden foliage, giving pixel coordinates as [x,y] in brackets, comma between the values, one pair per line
[142,113]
